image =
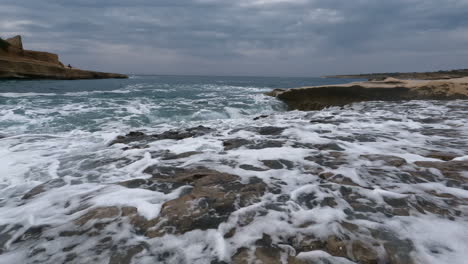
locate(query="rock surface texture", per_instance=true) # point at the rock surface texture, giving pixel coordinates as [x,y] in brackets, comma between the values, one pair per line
[390,89]
[18,63]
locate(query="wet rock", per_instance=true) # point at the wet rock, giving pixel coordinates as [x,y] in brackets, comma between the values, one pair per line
[439,208]
[329,146]
[33,232]
[210,198]
[399,206]
[260,117]
[278,164]
[265,130]
[213,198]
[442,156]
[124,255]
[235,143]
[364,254]
[264,255]
[270,130]
[251,167]
[55,183]
[335,246]
[450,169]
[340,179]
[142,138]
[385,159]
[265,144]
[331,160]
[397,250]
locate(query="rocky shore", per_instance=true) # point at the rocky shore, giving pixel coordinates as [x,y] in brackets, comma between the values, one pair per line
[328,201]
[18,63]
[390,89]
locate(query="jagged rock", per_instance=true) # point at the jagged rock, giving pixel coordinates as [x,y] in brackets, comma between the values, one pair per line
[16,42]
[143,139]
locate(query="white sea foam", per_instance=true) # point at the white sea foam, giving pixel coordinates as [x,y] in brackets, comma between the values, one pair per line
[16,95]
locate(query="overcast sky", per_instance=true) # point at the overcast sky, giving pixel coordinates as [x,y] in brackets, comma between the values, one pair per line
[245,37]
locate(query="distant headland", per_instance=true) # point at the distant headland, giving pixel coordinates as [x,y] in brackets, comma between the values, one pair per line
[19,63]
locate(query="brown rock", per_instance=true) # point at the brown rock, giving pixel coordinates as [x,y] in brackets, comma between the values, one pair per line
[442,156]
[16,42]
[18,63]
[336,246]
[386,159]
[213,198]
[450,169]
[364,254]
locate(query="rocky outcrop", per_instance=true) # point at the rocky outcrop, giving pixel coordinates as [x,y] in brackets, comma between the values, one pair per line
[18,63]
[391,89]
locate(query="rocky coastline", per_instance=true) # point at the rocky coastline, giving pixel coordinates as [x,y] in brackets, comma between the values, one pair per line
[390,89]
[207,199]
[19,63]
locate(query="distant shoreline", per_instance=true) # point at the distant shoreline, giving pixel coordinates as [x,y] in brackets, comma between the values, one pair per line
[451,74]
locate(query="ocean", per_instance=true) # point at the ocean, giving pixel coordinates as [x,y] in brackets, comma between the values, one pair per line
[369,173]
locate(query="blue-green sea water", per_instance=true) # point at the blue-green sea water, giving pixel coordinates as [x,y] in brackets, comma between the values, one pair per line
[49,106]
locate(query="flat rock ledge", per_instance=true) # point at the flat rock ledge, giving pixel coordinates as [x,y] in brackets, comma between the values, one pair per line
[390,89]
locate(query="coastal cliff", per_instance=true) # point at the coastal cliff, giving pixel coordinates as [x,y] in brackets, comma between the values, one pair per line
[390,89]
[18,63]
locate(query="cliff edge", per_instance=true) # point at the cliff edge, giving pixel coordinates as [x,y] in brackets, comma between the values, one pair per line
[390,89]
[18,63]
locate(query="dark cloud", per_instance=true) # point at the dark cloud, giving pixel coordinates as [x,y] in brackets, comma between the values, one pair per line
[245,37]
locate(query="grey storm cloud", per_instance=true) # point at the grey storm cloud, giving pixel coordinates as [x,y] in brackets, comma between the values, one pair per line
[245,37]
